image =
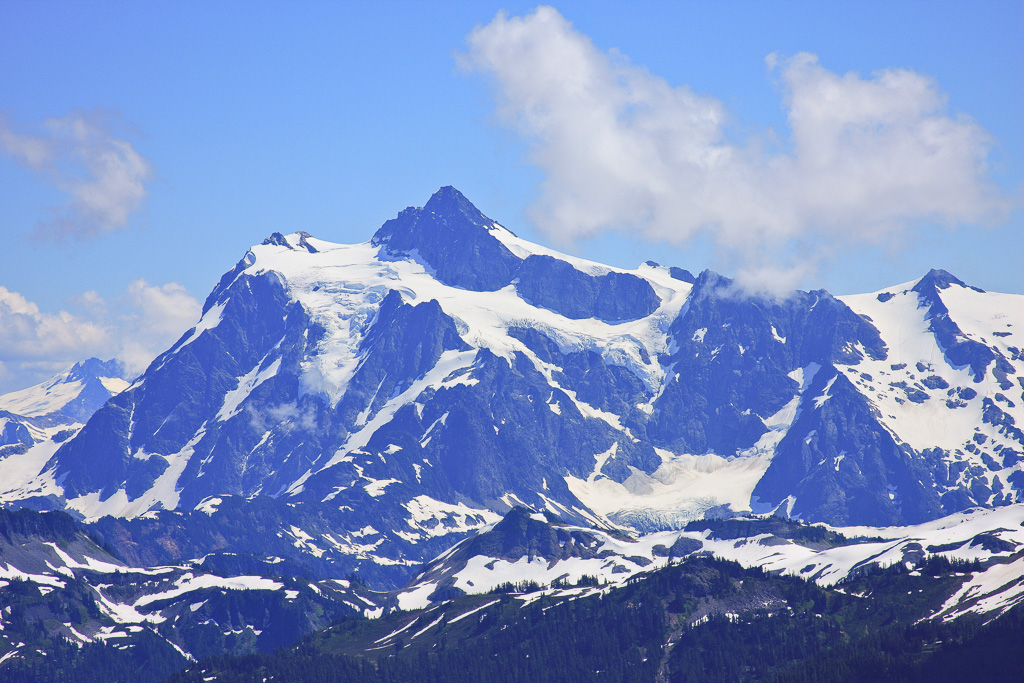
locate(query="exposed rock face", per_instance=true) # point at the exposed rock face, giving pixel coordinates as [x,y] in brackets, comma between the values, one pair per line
[847,468]
[613,297]
[451,236]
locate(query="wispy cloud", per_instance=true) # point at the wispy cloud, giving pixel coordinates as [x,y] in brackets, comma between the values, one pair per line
[286,415]
[622,149]
[152,318]
[28,333]
[133,327]
[104,176]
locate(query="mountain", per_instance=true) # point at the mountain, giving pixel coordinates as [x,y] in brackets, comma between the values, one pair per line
[66,599]
[69,397]
[531,547]
[762,592]
[698,618]
[36,420]
[368,406]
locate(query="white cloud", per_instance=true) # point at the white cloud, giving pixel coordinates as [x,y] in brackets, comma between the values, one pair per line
[104,176]
[286,415]
[29,334]
[91,300]
[621,149]
[156,315]
[134,327]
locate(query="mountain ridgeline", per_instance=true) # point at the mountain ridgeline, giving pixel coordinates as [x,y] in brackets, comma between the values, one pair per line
[367,406]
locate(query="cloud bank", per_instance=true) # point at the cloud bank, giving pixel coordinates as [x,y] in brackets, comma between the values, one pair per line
[621,149]
[134,327]
[104,176]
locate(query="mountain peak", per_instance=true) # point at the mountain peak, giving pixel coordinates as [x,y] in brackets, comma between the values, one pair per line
[93,368]
[935,280]
[454,238]
[939,279]
[449,202]
[276,239]
[71,395]
[279,240]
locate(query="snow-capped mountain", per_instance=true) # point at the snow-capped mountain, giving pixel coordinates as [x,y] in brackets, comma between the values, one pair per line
[56,581]
[68,397]
[528,546]
[378,402]
[35,421]
[532,598]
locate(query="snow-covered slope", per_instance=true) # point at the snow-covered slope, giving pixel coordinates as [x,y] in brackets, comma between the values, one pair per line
[57,581]
[34,422]
[387,399]
[951,384]
[74,394]
[527,546]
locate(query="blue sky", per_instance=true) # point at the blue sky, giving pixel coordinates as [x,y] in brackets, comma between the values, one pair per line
[145,146]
